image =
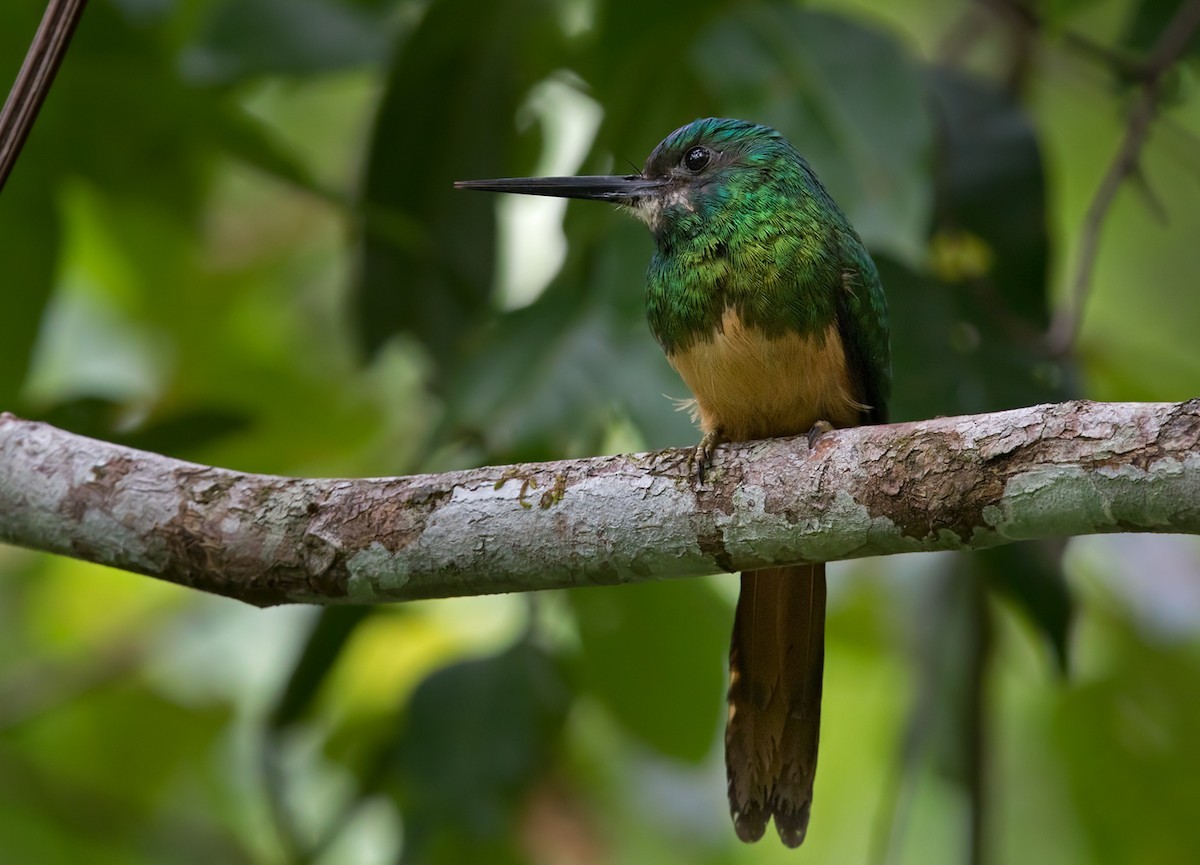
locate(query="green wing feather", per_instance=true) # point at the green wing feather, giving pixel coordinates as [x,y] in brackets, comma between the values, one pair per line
[862,323]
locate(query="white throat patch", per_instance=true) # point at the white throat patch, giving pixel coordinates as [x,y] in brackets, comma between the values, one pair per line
[649,209]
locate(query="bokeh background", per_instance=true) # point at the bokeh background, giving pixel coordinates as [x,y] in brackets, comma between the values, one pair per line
[232,238]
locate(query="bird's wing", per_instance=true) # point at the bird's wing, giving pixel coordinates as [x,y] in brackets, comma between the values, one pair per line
[862,322]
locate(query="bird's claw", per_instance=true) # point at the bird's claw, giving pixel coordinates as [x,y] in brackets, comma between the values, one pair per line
[702,454]
[699,458]
[818,429]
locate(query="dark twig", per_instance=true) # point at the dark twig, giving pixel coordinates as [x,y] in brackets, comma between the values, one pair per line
[34,80]
[975,712]
[1025,17]
[1125,66]
[1067,320]
[1172,42]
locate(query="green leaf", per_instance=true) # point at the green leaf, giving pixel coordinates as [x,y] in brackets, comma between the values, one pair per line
[247,139]
[157,146]
[992,187]
[1125,738]
[950,355]
[1060,12]
[73,745]
[30,237]
[548,380]
[644,96]
[654,655]
[29,247]
[966,337]
[1031,575]
[330,633]
[427,256]
[477,735]
[1149,20]
[173,434]
[848,96]
[306,37]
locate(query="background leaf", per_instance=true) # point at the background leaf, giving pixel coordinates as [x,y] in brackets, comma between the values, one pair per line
[478,733]
[307,36]
[662,683]
[427,259]
[849,93]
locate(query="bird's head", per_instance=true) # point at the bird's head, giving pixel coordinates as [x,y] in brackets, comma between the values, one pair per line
[703,172]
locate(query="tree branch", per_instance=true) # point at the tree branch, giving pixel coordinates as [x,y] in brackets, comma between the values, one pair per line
[949,483]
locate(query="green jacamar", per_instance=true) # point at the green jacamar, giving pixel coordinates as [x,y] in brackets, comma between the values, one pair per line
[767,304]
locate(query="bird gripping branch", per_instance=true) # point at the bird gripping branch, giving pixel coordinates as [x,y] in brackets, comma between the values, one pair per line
[767,304]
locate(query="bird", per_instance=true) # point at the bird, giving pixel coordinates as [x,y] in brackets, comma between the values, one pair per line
[768,305]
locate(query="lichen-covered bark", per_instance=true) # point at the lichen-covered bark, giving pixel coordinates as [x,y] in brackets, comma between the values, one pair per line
[949,483]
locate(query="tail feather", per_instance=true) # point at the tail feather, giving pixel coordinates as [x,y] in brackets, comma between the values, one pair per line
[776,659]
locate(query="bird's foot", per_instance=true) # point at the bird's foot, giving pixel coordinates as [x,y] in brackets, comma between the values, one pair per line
[695,461]
[703,453]
[818,429]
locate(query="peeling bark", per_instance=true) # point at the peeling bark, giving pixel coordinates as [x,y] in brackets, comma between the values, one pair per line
[948,483]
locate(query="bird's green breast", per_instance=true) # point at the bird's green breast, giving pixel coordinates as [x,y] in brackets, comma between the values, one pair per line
[776,272]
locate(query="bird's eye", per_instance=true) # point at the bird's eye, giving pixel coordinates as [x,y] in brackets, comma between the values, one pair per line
[697,158]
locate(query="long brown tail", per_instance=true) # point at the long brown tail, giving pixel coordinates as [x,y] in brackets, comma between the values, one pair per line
[775,664]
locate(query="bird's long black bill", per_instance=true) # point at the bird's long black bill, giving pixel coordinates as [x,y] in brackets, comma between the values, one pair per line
[614,189]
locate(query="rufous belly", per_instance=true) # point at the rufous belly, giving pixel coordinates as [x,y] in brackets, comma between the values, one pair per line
[747,385]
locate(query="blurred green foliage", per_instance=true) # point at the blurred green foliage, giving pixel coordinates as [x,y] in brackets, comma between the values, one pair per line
[232,238]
